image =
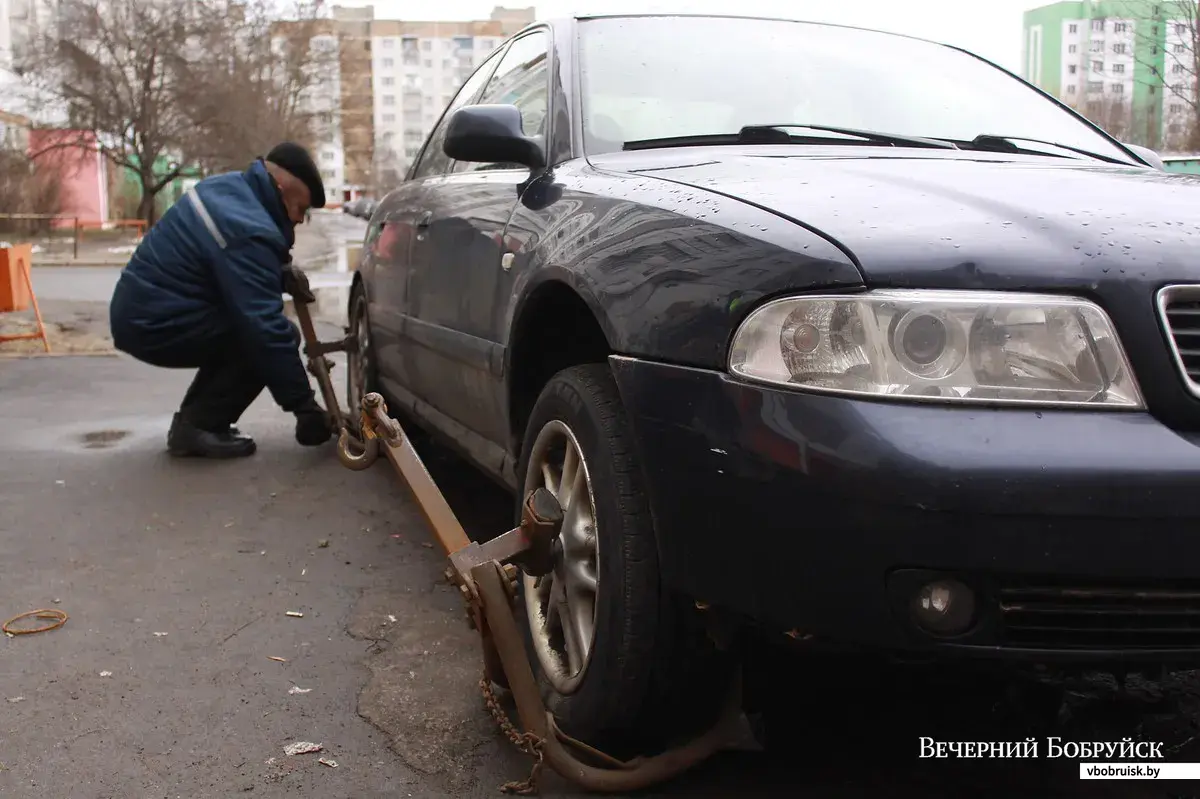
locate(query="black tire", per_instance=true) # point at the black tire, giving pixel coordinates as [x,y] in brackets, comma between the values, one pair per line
[654,675]
[360,361]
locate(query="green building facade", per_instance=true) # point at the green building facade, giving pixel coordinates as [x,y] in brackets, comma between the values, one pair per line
[126,195]
[1114,59]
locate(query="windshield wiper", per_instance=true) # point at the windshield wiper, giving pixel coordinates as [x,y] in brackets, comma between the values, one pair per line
[875,136]
[775,134]
[991,142]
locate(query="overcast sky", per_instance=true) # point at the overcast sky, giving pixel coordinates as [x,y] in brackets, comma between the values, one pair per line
[990,28]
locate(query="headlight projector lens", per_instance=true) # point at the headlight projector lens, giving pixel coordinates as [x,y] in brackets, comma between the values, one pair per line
[924,339]
[923,344]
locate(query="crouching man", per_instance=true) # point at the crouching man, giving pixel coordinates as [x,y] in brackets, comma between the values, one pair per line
[204,291]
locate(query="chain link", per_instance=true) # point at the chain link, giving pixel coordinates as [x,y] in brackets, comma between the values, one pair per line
[527,742]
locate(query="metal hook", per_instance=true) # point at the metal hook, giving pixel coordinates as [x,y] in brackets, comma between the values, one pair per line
[357,461]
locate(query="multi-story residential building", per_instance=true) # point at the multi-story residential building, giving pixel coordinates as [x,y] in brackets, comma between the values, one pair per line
[1128,64]
[395,78]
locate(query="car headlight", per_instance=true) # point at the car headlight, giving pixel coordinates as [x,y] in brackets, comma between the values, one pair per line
[948,346]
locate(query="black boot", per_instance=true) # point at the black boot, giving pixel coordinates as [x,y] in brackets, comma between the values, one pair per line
[187,440]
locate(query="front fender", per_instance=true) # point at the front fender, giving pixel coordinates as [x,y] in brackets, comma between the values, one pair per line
[665,280]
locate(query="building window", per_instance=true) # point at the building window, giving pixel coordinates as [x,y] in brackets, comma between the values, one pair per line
[1174,127]
[1072,28]
[388,63]
[426,44]
[389,99]
[389,118]
[1176,108]
[388,44]
[1094,107]
[1177,69]
[1071,89]
[1119,48]
[389,81]
[1071,69]
[1095,86]
[1180,29]
[1119,27]
[1072,48]
[367,45]
[1098,25]
[1118,88]
[1097,66]
[1118,68]
[1177,88]
[1180,48]
[326,156]
[1097,47]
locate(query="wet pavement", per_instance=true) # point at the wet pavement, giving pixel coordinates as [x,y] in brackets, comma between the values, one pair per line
[178,577]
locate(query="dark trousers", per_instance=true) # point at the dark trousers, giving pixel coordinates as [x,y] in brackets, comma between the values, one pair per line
[227,380]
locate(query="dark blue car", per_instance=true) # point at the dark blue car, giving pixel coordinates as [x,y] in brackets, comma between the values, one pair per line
[840,337]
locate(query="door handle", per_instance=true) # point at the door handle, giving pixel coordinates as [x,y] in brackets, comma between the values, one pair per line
[425,219]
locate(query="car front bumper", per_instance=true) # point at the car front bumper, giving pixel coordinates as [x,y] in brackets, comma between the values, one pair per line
[1079,532]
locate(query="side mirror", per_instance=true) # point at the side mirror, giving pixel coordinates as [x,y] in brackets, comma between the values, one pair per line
[492,134]
[1146,154]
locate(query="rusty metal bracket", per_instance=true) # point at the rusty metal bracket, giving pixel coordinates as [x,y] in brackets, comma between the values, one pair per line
[316,349]
[485,575]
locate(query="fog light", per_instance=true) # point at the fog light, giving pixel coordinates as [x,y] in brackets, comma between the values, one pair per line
[944,607]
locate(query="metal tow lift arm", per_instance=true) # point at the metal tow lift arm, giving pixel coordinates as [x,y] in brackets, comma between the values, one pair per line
[485,574]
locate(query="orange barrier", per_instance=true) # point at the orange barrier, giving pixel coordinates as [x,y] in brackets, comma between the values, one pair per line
[16,290]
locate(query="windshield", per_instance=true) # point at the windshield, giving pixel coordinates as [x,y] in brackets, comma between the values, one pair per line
[660,77]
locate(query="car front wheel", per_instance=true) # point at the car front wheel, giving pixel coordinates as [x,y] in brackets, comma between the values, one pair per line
[360,360]
[622,664]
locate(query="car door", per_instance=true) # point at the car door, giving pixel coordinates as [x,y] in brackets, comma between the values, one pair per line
[404,233]
[453,290]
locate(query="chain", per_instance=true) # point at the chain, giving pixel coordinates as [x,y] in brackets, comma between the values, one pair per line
[527,742]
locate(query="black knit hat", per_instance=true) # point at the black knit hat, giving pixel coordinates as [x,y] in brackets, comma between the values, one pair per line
[295,159]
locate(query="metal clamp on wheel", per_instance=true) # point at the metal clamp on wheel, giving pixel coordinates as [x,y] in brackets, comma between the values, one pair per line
[485,575]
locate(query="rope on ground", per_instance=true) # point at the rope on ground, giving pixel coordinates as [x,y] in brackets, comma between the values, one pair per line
[60,618]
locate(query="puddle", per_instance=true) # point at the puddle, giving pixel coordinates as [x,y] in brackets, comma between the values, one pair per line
[95,435]
[330,283]
[102,439]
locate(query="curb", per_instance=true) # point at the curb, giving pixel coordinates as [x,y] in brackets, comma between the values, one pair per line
[37,263]
[24,356]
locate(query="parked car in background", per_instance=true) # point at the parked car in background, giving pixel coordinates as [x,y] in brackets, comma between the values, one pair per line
[850,339]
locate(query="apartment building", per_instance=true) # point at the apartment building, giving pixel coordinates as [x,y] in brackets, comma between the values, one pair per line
[395,77]
[1132,61]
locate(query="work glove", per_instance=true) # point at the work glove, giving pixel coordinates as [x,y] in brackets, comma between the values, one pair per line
[313,425]
[295,282]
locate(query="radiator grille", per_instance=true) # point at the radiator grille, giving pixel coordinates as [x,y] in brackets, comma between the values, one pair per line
[1179,307]
[1100,617]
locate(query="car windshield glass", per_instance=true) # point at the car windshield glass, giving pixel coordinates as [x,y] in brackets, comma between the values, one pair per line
[660,77]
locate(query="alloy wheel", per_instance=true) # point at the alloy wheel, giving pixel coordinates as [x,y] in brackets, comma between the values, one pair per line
[360,356]
[561,606]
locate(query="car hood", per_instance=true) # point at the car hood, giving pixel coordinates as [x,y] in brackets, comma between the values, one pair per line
[958,219]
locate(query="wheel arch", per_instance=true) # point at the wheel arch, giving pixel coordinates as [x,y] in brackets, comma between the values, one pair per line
[554,327]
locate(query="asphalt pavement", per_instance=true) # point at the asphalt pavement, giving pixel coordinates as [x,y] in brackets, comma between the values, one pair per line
[180,672]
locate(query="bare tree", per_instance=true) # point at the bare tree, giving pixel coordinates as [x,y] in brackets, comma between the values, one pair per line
[388,171]
[24,189]
[1113,113]
[265,79]
[1167,36]
[167,85]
